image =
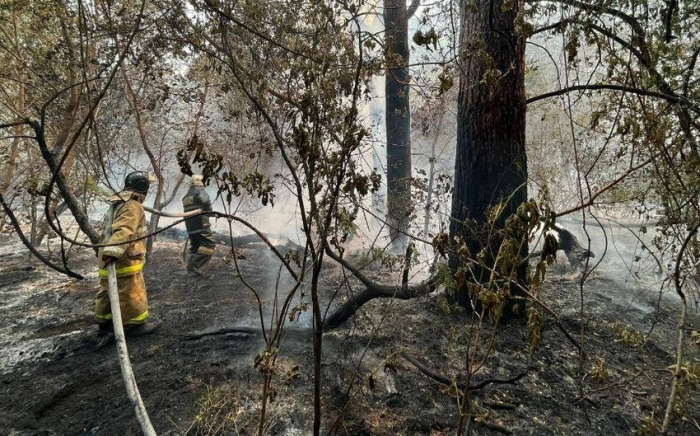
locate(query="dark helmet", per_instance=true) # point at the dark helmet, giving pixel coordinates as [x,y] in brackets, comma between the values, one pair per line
[138,182]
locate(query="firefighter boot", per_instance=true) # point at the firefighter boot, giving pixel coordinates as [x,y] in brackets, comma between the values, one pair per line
[136,330]
[196,263]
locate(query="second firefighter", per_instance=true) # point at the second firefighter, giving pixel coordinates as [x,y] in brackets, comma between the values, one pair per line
[201,237]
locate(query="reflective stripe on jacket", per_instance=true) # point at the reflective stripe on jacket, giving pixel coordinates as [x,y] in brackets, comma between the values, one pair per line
[122,272]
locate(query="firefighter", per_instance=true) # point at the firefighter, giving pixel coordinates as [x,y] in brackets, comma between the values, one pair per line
[201,237]
[125,223]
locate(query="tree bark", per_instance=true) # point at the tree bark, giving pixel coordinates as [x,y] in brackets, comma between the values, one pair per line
[490,166]
[373,290]
[78,213]
[397,118]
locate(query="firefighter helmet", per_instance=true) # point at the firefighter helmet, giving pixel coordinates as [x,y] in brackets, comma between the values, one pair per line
[137,181]
[197,180]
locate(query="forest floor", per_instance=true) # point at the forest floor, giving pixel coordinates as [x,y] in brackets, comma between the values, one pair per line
[57,378]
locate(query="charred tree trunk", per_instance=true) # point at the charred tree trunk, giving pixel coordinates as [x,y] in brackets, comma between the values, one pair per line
[490,166]
[398,118]
[575,252]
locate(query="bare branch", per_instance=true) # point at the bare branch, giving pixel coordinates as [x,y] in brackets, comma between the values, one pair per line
[22,122]
[29,245]
[671,98]
[605,188]
[412,9]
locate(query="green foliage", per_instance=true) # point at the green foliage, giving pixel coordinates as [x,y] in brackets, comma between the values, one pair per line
[446,82]
[599,369]
[494,294]
[301,72]
[446,277]
[690,373]
[229,184]
[265,362]
[386,259]
[297,311]
[628,335]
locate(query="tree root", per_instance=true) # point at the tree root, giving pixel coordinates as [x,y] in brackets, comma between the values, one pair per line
[461,386]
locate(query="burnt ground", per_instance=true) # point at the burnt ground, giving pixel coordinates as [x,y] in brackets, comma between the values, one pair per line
[57,379]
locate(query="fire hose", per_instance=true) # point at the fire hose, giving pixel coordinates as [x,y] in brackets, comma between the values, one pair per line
[175,215]
[124,363]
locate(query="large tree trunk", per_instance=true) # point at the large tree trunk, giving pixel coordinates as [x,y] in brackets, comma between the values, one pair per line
[398,118]
[491,166]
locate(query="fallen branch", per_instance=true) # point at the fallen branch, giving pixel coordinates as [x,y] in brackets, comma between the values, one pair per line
[373,290]
[127,373]
[223,331]
[448,382]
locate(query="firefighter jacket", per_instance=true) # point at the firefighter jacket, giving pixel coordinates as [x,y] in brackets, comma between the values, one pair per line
[126,222]
[197,198]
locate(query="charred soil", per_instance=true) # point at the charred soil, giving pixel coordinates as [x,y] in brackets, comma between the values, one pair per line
[58,378]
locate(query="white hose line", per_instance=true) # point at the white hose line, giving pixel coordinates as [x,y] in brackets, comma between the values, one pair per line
[173,215]
[127,373]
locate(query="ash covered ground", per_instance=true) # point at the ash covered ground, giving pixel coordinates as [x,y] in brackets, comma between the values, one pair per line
[57,378]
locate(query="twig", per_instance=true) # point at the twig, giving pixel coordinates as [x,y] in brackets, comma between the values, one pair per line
[678,370]
[608,387]
[500,405]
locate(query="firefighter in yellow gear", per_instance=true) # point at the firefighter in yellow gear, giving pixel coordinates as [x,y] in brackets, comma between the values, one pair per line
[125,224]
